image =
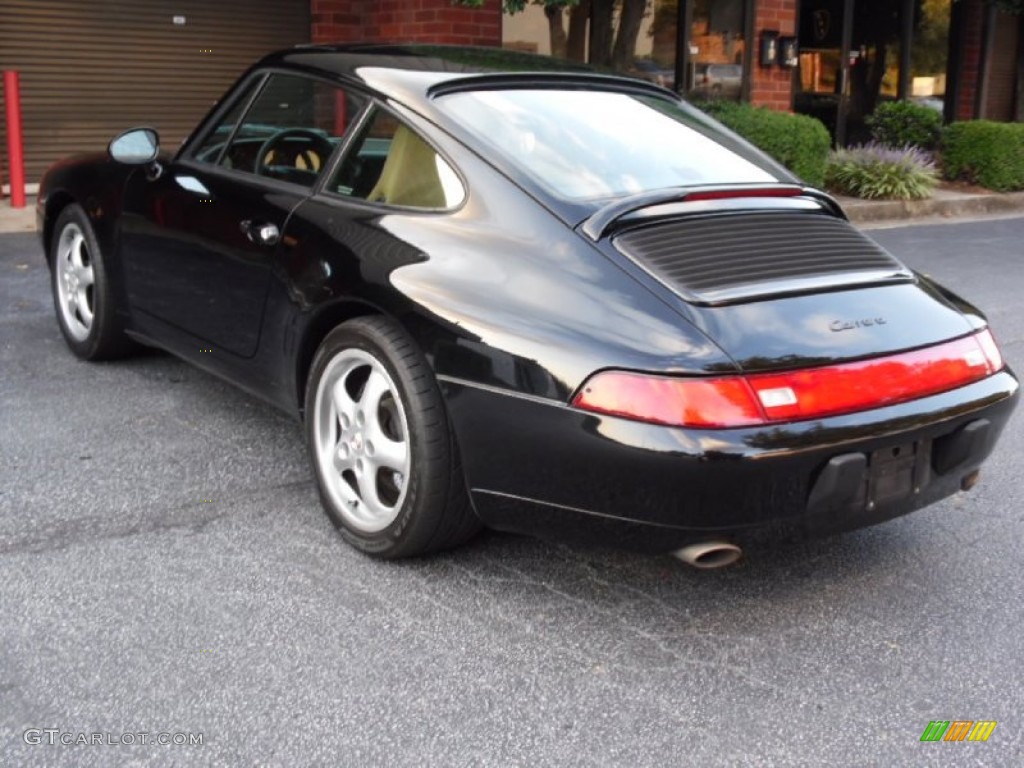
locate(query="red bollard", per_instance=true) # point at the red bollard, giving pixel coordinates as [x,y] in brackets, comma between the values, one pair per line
[15,150]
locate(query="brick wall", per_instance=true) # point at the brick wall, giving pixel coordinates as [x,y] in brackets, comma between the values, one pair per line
[339,21]
[772,87]
[1000,78]
[405,21]
[970,61]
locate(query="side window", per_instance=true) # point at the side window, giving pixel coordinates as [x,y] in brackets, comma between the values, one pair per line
[390,163]
[213,144]
[290,131]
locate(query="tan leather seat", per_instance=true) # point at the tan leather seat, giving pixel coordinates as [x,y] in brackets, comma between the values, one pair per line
[409,176]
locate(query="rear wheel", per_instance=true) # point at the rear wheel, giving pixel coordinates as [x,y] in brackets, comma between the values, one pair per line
[82,294]
[382,450]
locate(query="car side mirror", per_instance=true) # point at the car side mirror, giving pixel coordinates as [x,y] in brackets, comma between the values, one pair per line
[138,146]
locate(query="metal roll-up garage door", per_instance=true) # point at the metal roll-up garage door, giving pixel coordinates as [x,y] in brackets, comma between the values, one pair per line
[90,68]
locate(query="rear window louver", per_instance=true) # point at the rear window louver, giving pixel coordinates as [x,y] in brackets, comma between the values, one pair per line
[736,257]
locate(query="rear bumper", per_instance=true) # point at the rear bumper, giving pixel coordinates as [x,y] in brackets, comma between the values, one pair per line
[542,468]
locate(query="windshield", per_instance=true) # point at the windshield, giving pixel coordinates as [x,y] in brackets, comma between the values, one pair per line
[587,145]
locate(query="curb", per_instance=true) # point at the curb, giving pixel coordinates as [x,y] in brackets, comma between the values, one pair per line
[17,219]
[865,211]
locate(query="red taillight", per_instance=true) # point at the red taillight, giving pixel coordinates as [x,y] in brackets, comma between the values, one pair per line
[866,384]
[735,401]
[709,403]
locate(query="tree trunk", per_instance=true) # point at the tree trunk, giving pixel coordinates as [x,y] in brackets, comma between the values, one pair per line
[576,45]
[556,29]
[632,16]
[601,32]
[866,81]
[875,77]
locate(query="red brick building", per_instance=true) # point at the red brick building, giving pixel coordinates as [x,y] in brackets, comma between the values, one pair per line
[435,21]
[773,86]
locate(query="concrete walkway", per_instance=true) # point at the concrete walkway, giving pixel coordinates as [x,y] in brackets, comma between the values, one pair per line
[17,219]
[945,204]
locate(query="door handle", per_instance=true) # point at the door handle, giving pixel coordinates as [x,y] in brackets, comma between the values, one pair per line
[260,233]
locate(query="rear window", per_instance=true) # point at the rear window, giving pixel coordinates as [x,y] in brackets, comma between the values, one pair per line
[588,145]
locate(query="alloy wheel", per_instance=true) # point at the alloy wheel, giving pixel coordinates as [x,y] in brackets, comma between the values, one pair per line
[75,282]
[361,440]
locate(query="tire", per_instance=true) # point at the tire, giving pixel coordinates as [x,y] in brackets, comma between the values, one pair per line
[82,294]
[383,453]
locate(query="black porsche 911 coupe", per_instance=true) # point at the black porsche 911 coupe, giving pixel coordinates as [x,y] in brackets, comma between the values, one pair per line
[503,291]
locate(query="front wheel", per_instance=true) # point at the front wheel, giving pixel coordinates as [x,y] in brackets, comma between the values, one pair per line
[383,452]
[82,293]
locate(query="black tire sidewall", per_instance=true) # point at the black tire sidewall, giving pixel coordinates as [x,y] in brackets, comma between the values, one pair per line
[427,483]
[99,336]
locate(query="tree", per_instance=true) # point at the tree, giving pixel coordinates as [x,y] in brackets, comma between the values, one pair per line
[576,45]
[931,40]
[554,10]
[611,44]
[623,50]
[556,29]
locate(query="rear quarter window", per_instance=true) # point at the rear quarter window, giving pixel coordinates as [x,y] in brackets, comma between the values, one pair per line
[390,163]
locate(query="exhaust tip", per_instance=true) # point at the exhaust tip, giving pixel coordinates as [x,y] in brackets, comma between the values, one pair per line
[970,480]
[709,554]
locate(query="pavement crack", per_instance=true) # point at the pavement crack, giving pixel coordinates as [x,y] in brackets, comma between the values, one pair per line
[194,516]
[676,654]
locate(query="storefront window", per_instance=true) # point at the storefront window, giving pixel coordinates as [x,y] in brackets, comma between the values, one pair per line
[877,44]
[717,49]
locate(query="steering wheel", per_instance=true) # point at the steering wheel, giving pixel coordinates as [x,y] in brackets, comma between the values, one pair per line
[313,142]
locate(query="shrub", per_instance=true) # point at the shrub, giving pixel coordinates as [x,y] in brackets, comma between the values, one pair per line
[985,153]
[901,123]
[799,142]
[877,172]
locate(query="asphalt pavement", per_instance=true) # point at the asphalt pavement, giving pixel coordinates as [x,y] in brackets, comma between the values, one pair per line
[165,568]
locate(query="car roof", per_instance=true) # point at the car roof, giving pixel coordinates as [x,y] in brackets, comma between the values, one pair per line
[413,72]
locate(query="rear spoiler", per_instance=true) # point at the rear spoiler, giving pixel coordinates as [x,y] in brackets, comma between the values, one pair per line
[598,223]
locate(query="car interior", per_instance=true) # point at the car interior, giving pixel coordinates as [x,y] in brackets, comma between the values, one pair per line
[293,126]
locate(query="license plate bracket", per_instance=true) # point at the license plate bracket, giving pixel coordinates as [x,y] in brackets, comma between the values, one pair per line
[897,472]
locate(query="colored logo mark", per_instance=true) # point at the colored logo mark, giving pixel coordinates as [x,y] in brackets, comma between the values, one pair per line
[958,730]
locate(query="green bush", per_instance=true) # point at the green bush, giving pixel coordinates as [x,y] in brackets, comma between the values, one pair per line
[901,124]
[985,153]
[799,142]
[877,172]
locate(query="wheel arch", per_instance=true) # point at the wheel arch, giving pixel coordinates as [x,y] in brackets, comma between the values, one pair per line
[325,321]
[56,202]
[94,182]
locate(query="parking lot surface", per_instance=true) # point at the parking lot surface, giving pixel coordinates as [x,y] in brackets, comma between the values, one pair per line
[165,568]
